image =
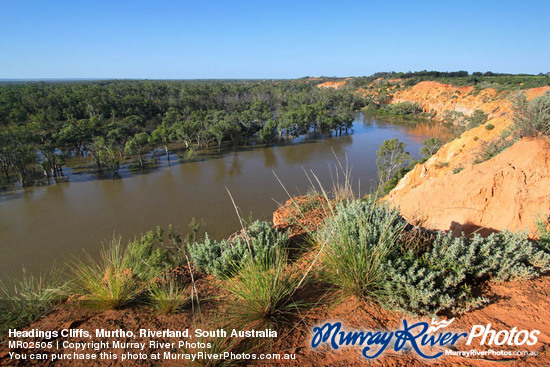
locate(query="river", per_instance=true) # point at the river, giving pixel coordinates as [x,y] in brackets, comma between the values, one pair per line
[47,225]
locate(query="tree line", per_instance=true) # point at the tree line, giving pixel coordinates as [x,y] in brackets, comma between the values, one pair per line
[43,124]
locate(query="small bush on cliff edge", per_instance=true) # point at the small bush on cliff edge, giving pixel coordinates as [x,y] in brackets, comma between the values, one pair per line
[357,242]
[443,278]
[109,283]
[531,118]
[223,258]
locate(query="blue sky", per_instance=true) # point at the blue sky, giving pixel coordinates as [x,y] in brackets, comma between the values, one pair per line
[268,39]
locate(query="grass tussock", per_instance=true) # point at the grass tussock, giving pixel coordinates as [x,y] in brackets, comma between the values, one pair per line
[263,292]
[357,242]
[110,282]
[167,295]
[29,298]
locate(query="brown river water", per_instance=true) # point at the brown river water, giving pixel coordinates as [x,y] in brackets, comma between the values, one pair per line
[48,225]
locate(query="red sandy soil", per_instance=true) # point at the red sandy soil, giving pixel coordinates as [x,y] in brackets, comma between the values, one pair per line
[290,216]
[521,304]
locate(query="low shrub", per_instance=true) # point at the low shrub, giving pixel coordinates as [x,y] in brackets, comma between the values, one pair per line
[443,279]
[356,244]
[224,258]
[148,257]
[404,109]
[457,170]
[531,118]
[489,127]
[491,149]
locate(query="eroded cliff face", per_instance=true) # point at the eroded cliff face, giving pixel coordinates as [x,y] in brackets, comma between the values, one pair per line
[510,191]
[449,191]
[441,98]
[333,85]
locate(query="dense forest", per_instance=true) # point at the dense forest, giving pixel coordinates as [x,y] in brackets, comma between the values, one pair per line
[115,122]
[118,122]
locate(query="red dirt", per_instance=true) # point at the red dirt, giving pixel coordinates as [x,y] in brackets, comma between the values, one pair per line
[521,304]
[300,215]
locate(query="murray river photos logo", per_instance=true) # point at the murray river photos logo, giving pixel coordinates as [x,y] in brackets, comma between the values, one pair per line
[416,337]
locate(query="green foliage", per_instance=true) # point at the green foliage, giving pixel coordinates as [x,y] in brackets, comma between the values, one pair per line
[391,158]
[109,283]
[430,147]
[148,256]
[29,298]
[404,109]
[167,295]
[224,258]
[357,242]
[457,170]
[263,291]
[443,278]
[139,146]
[544,234]
[531,118]
[461,123]
[489,126]
[119,275]
[480,80]
[477,118]
[108,119]
[492,149]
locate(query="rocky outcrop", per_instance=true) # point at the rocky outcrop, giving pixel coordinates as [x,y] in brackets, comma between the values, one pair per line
[510,191]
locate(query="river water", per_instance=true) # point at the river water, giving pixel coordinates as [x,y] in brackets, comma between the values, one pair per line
[48,225]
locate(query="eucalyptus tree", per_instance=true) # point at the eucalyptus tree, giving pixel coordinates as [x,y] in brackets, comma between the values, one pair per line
[138,145]
[391,157]
[104,153]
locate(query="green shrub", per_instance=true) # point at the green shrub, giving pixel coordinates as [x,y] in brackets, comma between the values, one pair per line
[404,109]
[223,258]
[443,278]
[263,291]
[489,127]
[430,147]
[28,299]
[492,149]
[531,118]
[147,256]
[457,170]
[356,244]
[475,119]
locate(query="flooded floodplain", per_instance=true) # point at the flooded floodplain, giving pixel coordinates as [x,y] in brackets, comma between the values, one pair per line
[47,225]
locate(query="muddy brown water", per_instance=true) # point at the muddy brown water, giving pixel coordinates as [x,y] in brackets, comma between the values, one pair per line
[48,225]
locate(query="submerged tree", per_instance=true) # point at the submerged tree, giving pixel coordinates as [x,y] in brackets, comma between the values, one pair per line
[139,146]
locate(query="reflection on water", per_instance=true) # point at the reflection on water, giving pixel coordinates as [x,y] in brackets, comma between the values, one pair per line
[43,225]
